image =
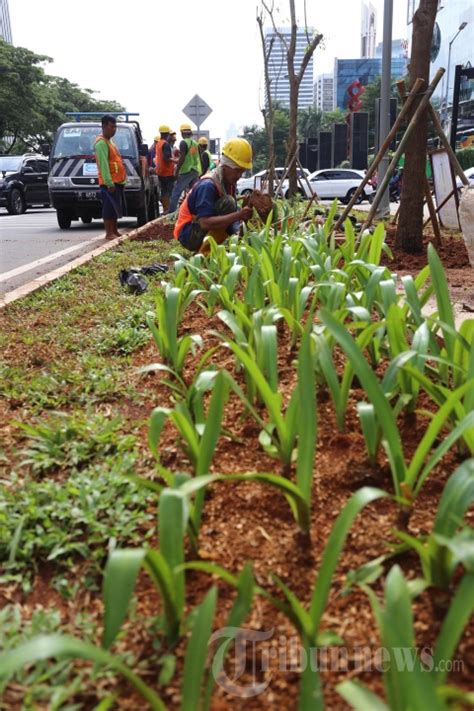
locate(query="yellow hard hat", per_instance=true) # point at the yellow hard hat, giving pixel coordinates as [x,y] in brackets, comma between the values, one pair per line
[185,127]
[203,141]
[240,151]
[164,128]
[157,138]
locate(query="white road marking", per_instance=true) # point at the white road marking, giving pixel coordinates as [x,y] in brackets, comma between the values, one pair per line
[49,258]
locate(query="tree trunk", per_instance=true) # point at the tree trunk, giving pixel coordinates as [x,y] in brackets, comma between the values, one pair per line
[294,80]
[294,91]
[269,113]
[292,144]
[268,121]
[410,225]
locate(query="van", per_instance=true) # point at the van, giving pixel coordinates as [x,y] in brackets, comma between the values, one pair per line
[73,178]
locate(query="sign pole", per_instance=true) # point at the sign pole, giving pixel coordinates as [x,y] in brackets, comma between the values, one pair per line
[198,111]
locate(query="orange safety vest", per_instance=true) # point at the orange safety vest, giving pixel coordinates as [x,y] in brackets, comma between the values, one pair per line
[164,168]
[116,165]
[185,215]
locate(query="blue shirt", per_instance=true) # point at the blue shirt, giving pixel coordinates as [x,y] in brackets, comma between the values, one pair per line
[201,202]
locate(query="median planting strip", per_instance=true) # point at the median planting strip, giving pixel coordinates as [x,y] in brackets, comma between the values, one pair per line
[260,422]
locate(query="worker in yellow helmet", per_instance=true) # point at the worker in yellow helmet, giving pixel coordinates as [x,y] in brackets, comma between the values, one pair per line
[210,208]
[207,163]
[188,167]
[165,166]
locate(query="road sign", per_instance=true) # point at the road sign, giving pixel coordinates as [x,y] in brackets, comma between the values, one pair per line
[197,110]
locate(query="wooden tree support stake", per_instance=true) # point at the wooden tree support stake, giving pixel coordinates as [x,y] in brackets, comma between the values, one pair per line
[433,215]
[421,108]
[447,146]
[383,149]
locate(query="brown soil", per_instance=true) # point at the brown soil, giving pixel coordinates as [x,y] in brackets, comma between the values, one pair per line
[158,229]
[250,522]
[452,253]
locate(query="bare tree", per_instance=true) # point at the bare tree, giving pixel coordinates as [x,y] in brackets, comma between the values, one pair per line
[268,111]
[410,226]
[295,77]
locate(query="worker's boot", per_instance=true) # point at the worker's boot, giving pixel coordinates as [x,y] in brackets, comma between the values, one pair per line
[219,236]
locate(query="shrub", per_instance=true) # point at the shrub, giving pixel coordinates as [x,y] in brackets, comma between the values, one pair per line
[465,157]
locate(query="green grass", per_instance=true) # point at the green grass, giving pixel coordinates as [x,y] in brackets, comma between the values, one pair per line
[64,496]
[63,685]
[47,523]
[77,336]
[73,441]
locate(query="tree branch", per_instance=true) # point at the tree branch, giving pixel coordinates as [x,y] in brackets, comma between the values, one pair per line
[275,28]
[293,31]
[307,56]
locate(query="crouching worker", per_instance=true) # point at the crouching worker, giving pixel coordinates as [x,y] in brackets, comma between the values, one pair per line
[210,209]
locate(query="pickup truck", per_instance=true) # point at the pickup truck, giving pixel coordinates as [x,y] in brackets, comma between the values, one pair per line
[73,181]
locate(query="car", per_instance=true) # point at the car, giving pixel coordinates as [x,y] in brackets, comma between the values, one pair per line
[73,179]
[469,173]
[340,183]
[23,182]
[246,185]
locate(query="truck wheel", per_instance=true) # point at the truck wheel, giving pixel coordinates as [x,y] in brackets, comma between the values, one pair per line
[64,219]
[86,220]
[17,203]
[142,215]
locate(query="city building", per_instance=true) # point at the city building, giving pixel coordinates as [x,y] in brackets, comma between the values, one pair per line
[451,45]
[365,70]
[278,70]
[5,26]
[399,49]
[368,29]
[324,92]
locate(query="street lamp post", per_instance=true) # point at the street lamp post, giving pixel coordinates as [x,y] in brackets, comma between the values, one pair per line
[461,27]
[384,112]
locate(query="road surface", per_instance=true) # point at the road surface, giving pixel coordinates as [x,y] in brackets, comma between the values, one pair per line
[32,244]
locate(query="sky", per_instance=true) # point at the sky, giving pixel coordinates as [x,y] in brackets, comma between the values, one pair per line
[153,56]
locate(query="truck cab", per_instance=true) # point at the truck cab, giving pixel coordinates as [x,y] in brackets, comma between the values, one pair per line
[73,178]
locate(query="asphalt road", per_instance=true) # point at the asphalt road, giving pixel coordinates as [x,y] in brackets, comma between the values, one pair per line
[32,244]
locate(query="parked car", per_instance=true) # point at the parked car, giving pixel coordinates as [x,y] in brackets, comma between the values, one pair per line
[23,182]
[246,185]
[469,173]
[340,183]
[73,180]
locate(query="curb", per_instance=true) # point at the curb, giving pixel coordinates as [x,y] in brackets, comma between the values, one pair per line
[44,279]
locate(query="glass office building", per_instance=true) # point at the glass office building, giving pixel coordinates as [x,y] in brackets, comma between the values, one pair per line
[365,70]
[450,17]
[324,92]
[5,27]
[368,29]
[278,69]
